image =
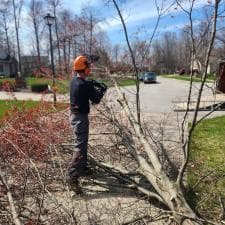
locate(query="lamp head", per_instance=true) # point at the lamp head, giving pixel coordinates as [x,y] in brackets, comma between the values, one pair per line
[49,19]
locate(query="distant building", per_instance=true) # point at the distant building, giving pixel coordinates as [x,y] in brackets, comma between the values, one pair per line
[30,63]
[198,67]
[160,67]
[8,64]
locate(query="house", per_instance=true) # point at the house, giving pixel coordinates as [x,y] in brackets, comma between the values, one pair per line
[198,67]
[31,63]
[8,65]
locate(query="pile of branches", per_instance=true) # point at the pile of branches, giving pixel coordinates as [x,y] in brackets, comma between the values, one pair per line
[28,143]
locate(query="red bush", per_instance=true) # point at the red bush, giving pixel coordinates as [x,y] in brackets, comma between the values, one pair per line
[29,133]
[7,85]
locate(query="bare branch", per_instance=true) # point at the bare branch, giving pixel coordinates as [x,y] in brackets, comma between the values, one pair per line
[184,165]
[123,175]
[222,214]
[11,201]
[133,61]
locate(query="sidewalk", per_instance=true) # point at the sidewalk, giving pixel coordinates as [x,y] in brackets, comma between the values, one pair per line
[208,101]
[32,96]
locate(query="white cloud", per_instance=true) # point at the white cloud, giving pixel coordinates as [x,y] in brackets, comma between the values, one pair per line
[134,12]
[76,6]
[177,26]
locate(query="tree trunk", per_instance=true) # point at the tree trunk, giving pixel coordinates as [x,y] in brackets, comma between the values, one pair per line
[57,37]
[91,34]
[151,168]
[17,38]
[69,56]
[37,43]
[6,33]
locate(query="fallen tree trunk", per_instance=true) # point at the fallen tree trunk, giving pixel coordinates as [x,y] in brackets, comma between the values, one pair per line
[152,169]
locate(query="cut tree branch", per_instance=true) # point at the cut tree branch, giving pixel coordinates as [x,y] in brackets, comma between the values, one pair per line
[10,200]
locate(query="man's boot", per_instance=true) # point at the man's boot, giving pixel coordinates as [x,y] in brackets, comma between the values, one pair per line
[87,172]
[74,185]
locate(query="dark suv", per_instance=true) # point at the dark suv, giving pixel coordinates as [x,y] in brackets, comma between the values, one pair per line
[149,77]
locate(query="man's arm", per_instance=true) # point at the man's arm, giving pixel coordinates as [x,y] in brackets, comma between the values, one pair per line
[97,91]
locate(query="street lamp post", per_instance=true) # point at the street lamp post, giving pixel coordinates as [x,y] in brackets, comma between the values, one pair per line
[49,21]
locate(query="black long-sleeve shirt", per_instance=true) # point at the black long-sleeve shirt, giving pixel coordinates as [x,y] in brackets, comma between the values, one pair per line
[81,92]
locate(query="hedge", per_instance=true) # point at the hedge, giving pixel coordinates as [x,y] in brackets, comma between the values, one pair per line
[39,87]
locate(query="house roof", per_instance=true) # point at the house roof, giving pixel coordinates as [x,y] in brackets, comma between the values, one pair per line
[222,61]
[4,56]
[32,58]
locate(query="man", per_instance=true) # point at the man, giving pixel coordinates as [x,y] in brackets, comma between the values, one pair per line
[82,92]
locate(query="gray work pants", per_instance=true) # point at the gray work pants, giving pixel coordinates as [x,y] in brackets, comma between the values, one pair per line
[80,126]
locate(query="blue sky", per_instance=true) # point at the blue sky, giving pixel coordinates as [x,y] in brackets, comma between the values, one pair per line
[140,16]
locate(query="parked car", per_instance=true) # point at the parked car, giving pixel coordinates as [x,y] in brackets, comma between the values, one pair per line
[149,77]
[181,71]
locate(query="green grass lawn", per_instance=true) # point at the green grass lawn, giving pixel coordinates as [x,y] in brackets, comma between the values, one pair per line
[7,105]
[208,161]
[210,78]
[63,85]
[120,81]
[126,82]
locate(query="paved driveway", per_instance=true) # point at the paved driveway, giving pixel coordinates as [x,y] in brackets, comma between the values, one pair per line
[159,97]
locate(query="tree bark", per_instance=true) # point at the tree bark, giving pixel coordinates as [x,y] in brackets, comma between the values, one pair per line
[57,35]
[6,33]
[16,22]
[133,62]
[37,43]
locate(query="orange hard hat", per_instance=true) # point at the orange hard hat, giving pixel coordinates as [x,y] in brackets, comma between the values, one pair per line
[80,63]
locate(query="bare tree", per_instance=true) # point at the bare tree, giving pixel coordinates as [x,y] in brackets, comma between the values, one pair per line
[133,61]
[17,7]
[184,52]
[116,52]
[90,16]
[36,15]
[167,52]
[66,35]
[4,12]
[189,13]
[54,4]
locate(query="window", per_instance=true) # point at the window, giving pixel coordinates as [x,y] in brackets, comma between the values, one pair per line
[1,68]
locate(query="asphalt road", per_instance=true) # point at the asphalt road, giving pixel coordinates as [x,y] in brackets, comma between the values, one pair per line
[160,97]
[158,100]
